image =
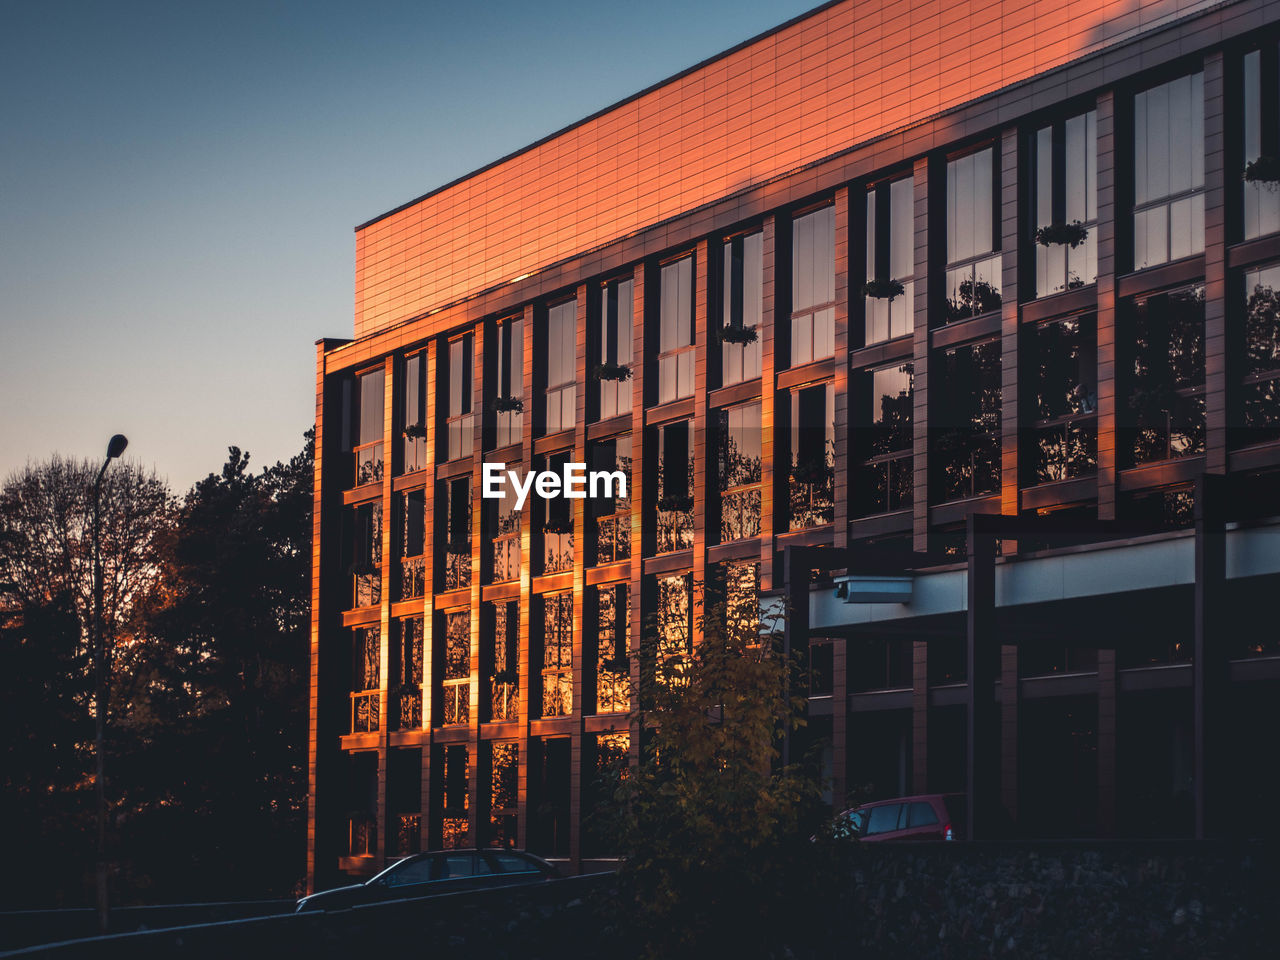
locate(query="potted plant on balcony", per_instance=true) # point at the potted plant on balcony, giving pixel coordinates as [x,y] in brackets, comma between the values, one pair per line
[883,288]
[737,333]
[612,371]
[508,405]
[1264,170]
[1062,234]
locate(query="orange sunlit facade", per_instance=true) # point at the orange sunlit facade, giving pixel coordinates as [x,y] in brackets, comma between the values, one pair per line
[822,299]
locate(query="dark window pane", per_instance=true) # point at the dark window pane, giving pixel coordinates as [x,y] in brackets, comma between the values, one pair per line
[1168,218]
[965,436]
[1165,412]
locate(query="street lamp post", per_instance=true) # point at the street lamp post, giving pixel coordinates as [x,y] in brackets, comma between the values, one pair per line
[114,448]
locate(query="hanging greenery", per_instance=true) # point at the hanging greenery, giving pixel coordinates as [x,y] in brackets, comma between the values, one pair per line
[1062,234]
[1264,170]
[883,289]
[508,405]
[736,333]
[613,371]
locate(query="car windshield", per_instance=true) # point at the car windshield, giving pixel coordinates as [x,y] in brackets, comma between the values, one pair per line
[405,873]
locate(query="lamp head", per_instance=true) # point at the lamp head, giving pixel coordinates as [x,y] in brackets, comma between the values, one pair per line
[116,446]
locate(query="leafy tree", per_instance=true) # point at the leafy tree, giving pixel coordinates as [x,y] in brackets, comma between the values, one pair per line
[714,829]
[217,716]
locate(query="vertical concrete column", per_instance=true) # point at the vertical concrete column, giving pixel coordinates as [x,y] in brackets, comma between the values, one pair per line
[1215,264]
[1107,742]
[389,566]
[580,646]
[319,754]
[768,401]
[641,282]
[1210,679]
[1108,268]
[1009,729]
[432,359]
[982,738]
[475,807]
[703,450]
[924,290]
[527,667]
[1009,355]
[840,380]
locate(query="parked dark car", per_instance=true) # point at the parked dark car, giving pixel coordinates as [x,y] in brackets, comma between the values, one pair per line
[931,816]
[442,871]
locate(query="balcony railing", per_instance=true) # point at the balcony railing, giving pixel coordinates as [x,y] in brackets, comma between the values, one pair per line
[366,708]
[368,466]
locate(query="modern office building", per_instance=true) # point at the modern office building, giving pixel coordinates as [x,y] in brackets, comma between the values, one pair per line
[955,324]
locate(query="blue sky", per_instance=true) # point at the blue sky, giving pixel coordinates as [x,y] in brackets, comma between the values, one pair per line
[179,183]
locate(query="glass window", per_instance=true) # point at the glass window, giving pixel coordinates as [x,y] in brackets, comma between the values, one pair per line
[675,486]
[887,482]
[460,424]
[811,486]
[973,237]
[560,411]
[414,414]
[883,818]
[890,313]
[455,801]
[504,792]
[1258,420]
[366,678]
[455,520]
[504,529]
[922,814]
[965,436]
[509,390]
[742,307]
[740,585]
[613,348]
[813,286]
[407,676]
[675,626]
[739,433]
[1064,368]
[611,516]
[456,683]
[366,553]
[412,534]
[557,654]
[1166,412]
[366,439]
[555,520]
[821,661]
[504,661]
[613,642]
[1168,176]
[675,332]
[1261,142]
[1066,243]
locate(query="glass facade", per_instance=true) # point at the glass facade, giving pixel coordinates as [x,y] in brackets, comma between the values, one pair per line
[813,286]
[613,348]
[742,307]
[1165,412]
[560,411]
[973,237]
[890,312]
[1066,205]
[885,437]
[675,331]
[1168,176]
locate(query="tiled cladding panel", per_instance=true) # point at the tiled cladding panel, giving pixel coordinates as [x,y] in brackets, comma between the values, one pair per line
[846,74]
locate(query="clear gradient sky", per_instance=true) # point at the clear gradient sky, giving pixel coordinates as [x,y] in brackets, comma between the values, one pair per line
[180,181]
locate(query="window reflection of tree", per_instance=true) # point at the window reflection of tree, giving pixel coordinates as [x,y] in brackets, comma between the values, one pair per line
[675,628]
[740,471]
[557,655]
[409,674]
[457,667]
[1260,391]
[506,533]
[811,472]
[613,662]
[675,488]
[889,473]
[557,524]
[504,771]
[457,557]
[366,678]
[455,799]
[1065,366]
[612,515]
[1166,396]
[504,681]
[965,440]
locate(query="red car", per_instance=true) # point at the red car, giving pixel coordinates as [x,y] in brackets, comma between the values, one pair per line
[930,816]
